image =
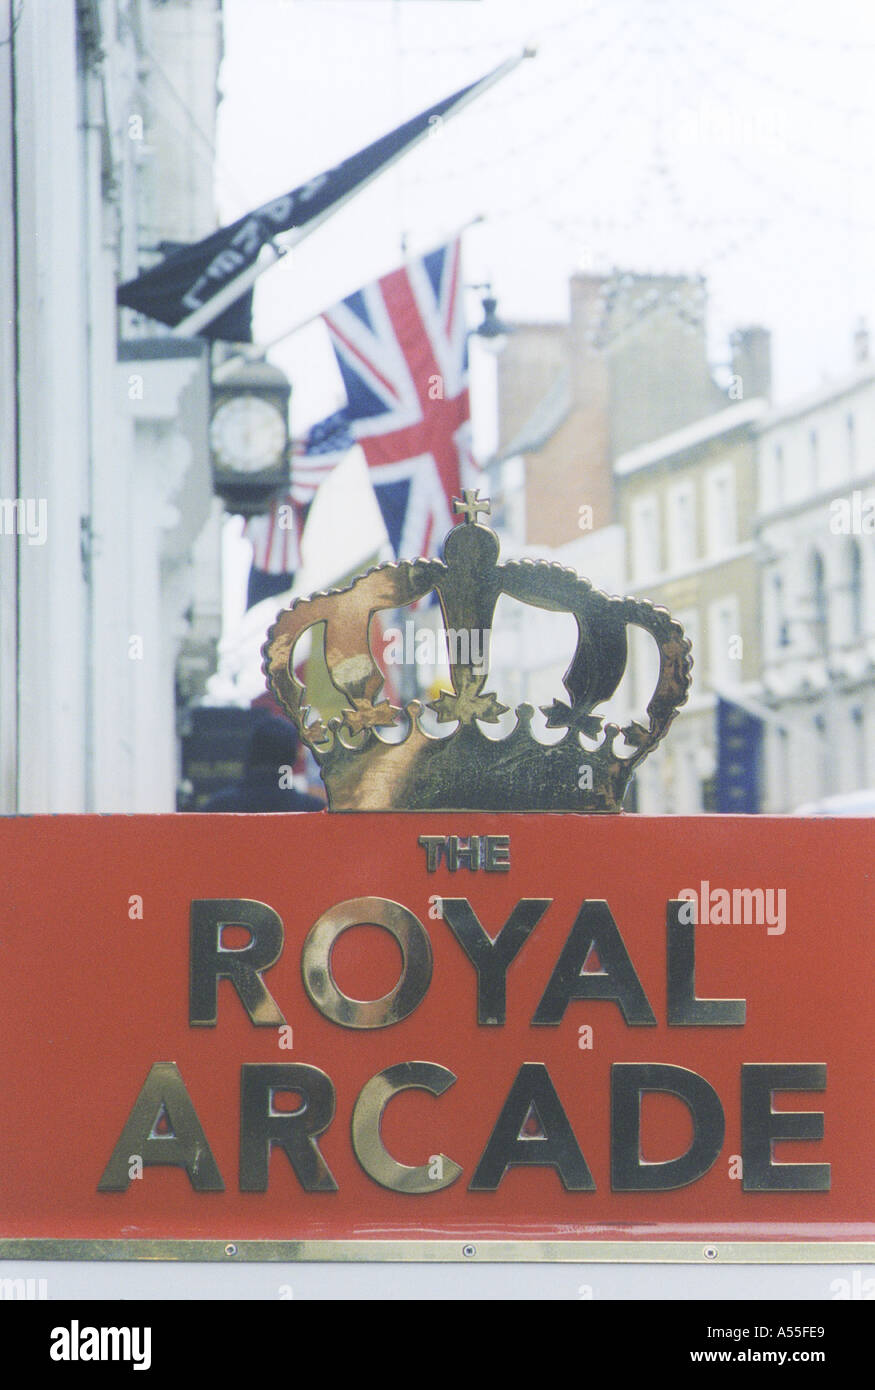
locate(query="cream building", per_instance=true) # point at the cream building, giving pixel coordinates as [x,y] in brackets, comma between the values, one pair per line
[687,503]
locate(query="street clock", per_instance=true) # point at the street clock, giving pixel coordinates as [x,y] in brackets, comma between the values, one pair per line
[249,437]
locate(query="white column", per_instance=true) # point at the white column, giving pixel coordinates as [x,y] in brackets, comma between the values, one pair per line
[52,396]
[170,500]
[152,706]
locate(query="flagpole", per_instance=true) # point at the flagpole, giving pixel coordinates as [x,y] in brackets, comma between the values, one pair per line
[255,351]
[194,322]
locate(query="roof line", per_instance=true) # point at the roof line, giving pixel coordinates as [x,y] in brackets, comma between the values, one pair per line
[731,417]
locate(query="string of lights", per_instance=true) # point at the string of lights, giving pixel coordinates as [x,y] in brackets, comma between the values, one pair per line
[768,183]
[584,159]
[791,36]
[616,55]
[658,174]
[780,139]
[607,94]
[558,181]
[538,34]
[659,178]
[775,83]
[747,228]
[554,67]
[660,45]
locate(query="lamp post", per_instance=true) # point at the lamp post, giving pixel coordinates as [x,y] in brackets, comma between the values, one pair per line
[491,332]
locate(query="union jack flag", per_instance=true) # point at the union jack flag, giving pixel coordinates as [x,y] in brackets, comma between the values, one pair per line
[276,535]
[402,350]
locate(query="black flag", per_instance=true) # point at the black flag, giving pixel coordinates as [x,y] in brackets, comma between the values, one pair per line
[189,277]
[233,325]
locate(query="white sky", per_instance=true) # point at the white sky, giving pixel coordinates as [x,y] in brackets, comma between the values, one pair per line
[731,138]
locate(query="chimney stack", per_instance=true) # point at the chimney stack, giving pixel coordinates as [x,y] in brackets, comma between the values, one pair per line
[752,360]
[861,343]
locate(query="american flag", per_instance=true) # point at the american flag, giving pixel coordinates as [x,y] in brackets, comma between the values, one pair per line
[276,536]
[401,346]
[326,444]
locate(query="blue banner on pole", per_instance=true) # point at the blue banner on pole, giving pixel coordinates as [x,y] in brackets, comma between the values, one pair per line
[739,759]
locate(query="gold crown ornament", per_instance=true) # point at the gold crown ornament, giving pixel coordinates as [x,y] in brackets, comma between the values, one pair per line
[467,770]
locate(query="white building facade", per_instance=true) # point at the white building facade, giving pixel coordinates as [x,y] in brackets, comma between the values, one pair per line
[109,532]
[816,546]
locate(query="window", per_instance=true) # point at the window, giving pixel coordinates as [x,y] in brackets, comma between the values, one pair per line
[782,798]
[689,784]
[720,533]
[813,459]
[855,589]
[817,602]
[776,610]
[682,546]
[858,743]
[778,476]
[822,747]
[725,645]
[645,537]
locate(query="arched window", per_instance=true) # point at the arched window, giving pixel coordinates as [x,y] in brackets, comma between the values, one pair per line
[778,476]
[778,627]
[817,591]
[850,425]
[855,588]
[813,460]
[823,757]
[848,596]
[859,745]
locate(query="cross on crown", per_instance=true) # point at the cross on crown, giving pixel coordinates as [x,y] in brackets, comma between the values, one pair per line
[471,503]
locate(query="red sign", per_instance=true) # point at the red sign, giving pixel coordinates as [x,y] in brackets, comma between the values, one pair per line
[435,1028]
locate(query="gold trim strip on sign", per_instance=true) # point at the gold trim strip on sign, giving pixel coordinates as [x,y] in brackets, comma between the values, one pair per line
[448,1251]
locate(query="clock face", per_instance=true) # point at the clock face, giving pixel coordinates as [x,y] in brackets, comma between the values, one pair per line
[247,435]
